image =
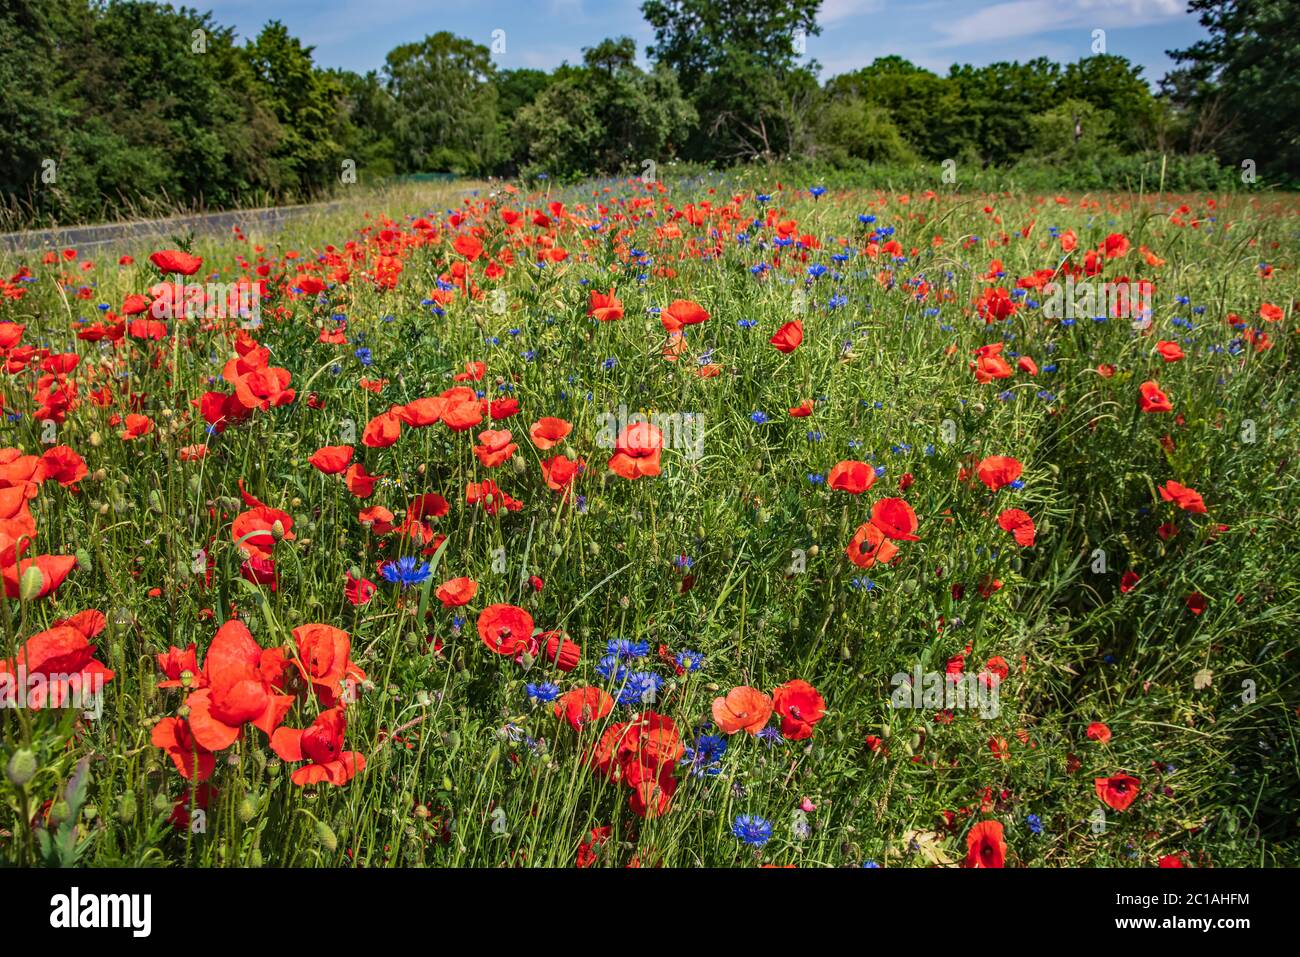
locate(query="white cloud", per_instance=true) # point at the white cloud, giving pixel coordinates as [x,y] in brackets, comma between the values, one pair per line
[832,11]
[1022,18]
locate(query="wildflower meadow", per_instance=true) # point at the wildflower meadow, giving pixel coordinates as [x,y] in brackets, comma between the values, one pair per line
[712,521]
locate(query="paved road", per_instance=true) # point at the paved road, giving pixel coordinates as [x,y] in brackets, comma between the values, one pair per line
[92,237]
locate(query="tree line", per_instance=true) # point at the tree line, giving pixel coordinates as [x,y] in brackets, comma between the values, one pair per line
[109,107]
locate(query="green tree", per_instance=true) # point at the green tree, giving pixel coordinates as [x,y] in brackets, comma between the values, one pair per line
[307,102]
[737,63]
[1240,87]
[444,105]
[605,116]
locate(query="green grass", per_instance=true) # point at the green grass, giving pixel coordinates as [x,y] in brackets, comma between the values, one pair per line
[450,739]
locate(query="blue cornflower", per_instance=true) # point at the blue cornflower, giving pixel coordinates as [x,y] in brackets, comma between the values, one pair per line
[546,691]
[752,829]
[1034,823]
[406,571]
[626,649]
[689,660]
[706,756]
[758,418]
[363,356]
[817,191]
[770,735]
[641,687]
[610,668]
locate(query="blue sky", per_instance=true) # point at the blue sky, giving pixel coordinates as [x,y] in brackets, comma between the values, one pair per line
[357,34]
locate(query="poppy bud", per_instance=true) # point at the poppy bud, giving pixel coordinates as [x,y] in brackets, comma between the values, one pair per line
[247,810]
[31,584]
[277,530]
[328,839]
[813,551]
[21,768]
[59,812]
[127,807]
[83,558]
[99,475]
[162,803]
[96,440]
[255,857]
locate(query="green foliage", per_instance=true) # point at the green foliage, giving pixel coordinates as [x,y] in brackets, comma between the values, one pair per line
[145,108]
[853,129]
[1240,88]
[445,105]
[607,116]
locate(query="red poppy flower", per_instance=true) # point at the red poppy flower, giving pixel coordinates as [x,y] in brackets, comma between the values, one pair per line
[360,482]
[559,472]
[506,629]
[1188,499]
[985,846]
[1019,524]
[193,761]
[852,477]
[879,548]
[681,313]
[548,432]
[241,676]
[1196,603]
[558,648]
[1098,732]
[583,705]
[788,337]
[742,709]
[1169,350]
[997,471]
[637,451]
[324,660]
[1151,399]
[1119,791]
[605,307]
[800,706]
[895,518]
[358,591]
[383,430]
[332,459]
[173,260]
[1128,581]
[495,447]
[321,745]
[257,530]
[456,592]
